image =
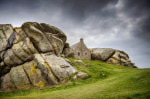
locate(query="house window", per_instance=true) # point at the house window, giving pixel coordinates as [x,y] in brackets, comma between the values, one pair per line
[85,53]
[78,53]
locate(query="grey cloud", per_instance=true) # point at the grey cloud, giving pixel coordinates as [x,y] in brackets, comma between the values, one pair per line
[139,10]
[119,24]
[13,4]
[82,8]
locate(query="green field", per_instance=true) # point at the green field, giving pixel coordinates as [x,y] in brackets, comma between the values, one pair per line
[105,81]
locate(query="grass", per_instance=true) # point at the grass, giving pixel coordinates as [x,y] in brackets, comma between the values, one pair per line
[105,81]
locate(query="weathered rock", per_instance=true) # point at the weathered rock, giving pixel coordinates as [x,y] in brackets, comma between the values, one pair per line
[19,44]
[101,53]
[29,56]
[46,70]
[20,35]
[78,61]
[114,61]
[53,68]
[19,77]
[22,77]
[54,30]
[116,55]
[46,38]
[33,74]
[1,65]
[120,58]
[111,56]
[82,75]
[18,50]
[67,51]
[67,45]
[6,30]
[67,60]
[7,83]
[59,66]
[19,53]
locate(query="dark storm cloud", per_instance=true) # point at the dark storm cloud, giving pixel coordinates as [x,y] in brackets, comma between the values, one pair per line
[77,10]
[142,31]
[12,4]
[118,24]
[83,8]
[137,7]
[139,10]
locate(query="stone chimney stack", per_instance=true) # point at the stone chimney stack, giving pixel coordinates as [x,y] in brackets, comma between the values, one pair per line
[81,40]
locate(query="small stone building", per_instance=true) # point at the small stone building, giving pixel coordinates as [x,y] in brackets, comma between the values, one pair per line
[81,51]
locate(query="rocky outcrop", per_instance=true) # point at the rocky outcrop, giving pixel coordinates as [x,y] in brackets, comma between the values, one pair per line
[68,52]
[101,53]
[30,56]
[111,56]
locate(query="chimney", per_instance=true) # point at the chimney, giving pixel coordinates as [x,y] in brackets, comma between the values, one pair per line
[81,40]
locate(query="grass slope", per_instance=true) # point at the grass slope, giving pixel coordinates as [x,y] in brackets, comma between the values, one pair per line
[105,81]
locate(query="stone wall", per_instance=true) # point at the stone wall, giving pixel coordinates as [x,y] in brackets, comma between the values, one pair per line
[81,51]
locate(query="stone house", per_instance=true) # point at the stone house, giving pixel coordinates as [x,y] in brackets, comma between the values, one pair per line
[81,51]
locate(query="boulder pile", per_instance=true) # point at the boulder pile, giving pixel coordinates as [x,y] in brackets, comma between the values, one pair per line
[111,56]
[30,56]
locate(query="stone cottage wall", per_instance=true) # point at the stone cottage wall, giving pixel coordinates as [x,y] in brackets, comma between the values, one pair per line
[81,51]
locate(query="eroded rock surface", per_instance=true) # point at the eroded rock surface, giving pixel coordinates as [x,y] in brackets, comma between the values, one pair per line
[101,53]
[45,38]
[30,56]
[111,56]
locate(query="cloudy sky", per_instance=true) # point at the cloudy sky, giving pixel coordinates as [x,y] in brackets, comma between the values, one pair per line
[118,24]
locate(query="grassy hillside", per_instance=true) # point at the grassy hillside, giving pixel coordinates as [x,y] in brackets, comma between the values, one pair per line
[105,81]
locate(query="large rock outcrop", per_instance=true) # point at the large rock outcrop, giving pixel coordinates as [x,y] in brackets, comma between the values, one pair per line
[101,53]
[111,56]
[30,56]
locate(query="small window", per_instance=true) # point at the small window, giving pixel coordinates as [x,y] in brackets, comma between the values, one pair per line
[78,53]
[85,53]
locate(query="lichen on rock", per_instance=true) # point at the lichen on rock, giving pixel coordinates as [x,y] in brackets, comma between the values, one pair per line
[30,56]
